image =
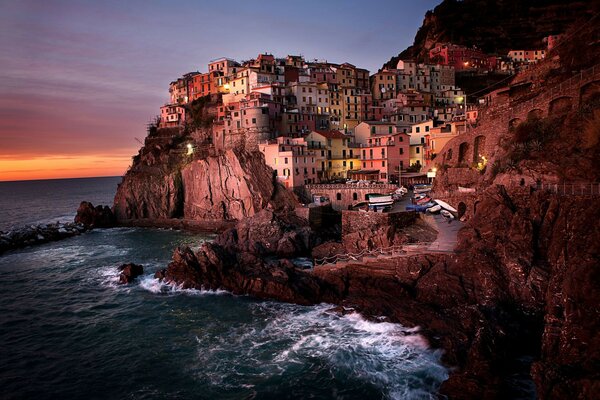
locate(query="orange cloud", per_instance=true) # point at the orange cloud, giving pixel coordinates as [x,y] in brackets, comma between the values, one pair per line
[71,166]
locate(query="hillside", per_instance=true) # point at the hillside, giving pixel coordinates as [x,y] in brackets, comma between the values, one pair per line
[495,26]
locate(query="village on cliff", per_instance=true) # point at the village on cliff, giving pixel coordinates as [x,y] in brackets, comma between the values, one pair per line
[319,122]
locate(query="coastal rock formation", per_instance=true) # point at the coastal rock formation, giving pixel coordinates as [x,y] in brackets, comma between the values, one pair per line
[231,186]
[150,194]
[128,273]
[224,186]
[521,284]
[94,217]
[38,234]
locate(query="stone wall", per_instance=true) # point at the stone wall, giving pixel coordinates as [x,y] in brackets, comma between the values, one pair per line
[495,121]
[344,195]
[358,221]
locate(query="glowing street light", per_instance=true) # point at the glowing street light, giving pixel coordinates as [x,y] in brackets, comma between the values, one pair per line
[190,149]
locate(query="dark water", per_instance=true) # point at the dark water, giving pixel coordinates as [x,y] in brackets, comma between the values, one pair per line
[67,330]
[45,201]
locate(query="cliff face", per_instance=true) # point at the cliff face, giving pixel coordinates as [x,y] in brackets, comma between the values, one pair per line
[494,26]
[166,181]
[231,186]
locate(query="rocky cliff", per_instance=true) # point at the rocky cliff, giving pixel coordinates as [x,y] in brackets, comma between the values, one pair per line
[179,175]
[515,307]
[522,285]
[494,26]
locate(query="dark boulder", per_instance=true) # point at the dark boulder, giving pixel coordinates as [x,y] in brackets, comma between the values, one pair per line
[129,272]
[94,217]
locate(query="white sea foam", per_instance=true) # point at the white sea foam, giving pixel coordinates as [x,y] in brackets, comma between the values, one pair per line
[153,285]
[385,355]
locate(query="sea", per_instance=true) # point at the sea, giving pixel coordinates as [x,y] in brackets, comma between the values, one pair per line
[69,331]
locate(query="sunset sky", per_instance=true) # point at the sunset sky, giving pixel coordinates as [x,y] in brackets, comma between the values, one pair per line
[80,79]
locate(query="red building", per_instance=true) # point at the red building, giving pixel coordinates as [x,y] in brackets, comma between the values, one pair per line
[200,85]
[461,57]
[384,154]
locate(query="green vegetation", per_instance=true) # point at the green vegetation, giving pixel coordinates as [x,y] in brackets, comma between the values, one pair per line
[198,113]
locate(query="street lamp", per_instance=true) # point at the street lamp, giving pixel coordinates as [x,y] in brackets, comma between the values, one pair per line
[190,149]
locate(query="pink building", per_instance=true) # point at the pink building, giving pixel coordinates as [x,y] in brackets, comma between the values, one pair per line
[172,115]
[293,162]
[385,155]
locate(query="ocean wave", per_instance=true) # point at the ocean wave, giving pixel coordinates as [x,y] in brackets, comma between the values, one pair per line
[154,285]
[390,357]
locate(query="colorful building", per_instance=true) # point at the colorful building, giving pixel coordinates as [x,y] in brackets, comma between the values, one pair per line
[529,56]
[461,57]
[294,163]
[172,115]
[338,155]
[387,154]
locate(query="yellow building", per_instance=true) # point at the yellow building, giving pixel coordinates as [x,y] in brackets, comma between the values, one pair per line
[437,138]
[384,85]
[339,157]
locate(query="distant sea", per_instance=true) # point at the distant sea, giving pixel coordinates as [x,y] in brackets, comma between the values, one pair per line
[45,201]
[69,331]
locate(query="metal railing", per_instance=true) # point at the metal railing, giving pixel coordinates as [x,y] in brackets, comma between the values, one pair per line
[324,186]
[570,189]
[404,250]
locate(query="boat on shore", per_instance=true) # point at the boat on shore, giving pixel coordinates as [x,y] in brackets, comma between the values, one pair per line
[446,206]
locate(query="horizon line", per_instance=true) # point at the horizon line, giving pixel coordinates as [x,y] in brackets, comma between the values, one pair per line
[62,179]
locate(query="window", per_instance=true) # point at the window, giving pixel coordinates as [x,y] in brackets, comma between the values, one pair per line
[390,129]
[401,150]
[372,129]
[338,196]
[418,129]
[254,120]
[418,150]
[344,164]
[383,163]
[354,196]
[285,160]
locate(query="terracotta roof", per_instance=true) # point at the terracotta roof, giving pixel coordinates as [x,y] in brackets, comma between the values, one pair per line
[331,134]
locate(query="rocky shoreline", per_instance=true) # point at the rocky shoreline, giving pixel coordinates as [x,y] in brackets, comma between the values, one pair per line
[88,217]
[489,309]
[39,234]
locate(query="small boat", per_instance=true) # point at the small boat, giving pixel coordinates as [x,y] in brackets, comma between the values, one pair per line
[383,200]
[422,188]
[401,190]
[434,209]
[447,214]
[424,200]
[446,206]
[419,207]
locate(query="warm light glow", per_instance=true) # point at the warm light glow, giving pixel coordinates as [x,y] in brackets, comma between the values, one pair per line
[460,99]
[190,149]
[226,86]
[62,166]
[466,63]
[434,170]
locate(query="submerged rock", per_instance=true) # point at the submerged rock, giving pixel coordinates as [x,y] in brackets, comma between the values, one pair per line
[129,272]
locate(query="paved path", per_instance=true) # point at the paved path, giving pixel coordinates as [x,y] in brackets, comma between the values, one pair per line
[447,232]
